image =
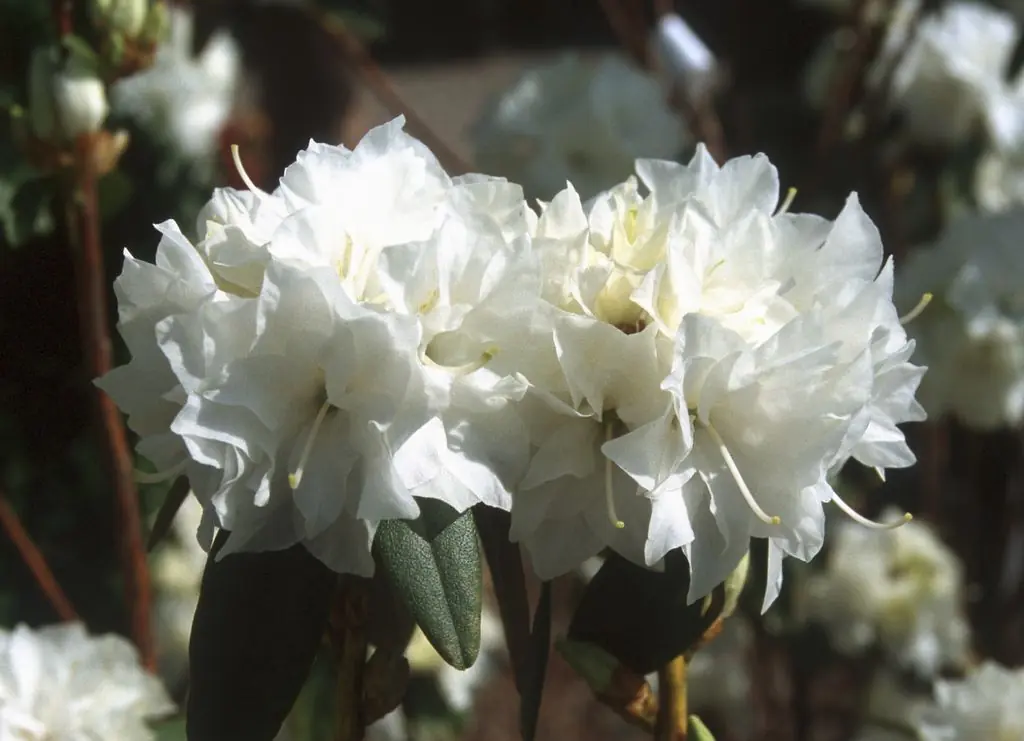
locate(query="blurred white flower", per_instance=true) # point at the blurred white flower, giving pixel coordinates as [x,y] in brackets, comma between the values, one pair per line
[177,570]
[952,74]
[972,336]
[58,683]
[718,678]
[987,704]
[999,181]
[684,57]
[900,589]
[700,337]
[66,97]
[182,97]
[574,121]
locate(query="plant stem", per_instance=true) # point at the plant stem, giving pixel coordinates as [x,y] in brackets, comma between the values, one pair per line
[36,562]
[672,722]
[383,89]
[83,223]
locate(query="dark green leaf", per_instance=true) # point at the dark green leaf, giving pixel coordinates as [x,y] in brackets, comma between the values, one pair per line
[505,562]
[537,666]
[176,496]
[259,622]
[170,730]
[640,616]
[434,564]
[115,192]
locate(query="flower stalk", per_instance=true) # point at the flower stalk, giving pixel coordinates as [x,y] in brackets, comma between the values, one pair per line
[83,225]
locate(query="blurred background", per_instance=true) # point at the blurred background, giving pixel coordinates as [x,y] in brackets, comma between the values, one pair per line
[518,88]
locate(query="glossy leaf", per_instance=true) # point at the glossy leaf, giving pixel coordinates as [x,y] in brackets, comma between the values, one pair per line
[260,619]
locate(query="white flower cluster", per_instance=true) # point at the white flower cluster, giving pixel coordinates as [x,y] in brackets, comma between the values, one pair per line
[60,684]
[972,336]
[571,120]
[987,704]
[901,590]
[946,75]
[182,97]
[681,369]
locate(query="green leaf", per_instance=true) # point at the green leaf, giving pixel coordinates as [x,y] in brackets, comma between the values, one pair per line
[640,616]
[434,564]
[505,562]
[176,496]
[537,666]
[699,731]
[26,208]
[259,622]
[170,730]
[115,192]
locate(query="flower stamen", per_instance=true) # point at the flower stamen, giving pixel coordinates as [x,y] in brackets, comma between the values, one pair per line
[730,463]
[862,520]
[790,197]
[295,478]
[237,159]
[144,477]
[914,313]
[609,494]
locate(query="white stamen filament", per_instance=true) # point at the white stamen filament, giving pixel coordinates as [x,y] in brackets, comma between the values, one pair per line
[862,520]
[738,477]
[466,368]
[790,197]
[237,159]
[143,477]
[295,478]
[609,494]
[917,310]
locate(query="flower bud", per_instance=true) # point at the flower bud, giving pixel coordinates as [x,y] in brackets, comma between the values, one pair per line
[66,98]
[123,16]
[158,23]
[734,586]
[684,56]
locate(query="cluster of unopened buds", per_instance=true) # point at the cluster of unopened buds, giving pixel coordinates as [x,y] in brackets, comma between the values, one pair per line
[677,363]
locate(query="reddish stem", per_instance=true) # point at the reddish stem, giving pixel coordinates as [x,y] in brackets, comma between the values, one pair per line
[383,89]
[36,562]
[62,16]
[84,231]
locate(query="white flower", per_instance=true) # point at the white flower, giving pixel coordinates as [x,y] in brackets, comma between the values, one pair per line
[901,589]
[987,704]
[60,684]
[335,357]
[710,361]
[186,99]
[570,120]
[952,72]
[66,98]
[973,336]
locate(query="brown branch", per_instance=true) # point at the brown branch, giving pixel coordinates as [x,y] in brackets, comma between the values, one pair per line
[36,562]
[672,723]
[700,114]
[383,89]
[851,79]
[83,223]
[62,17]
